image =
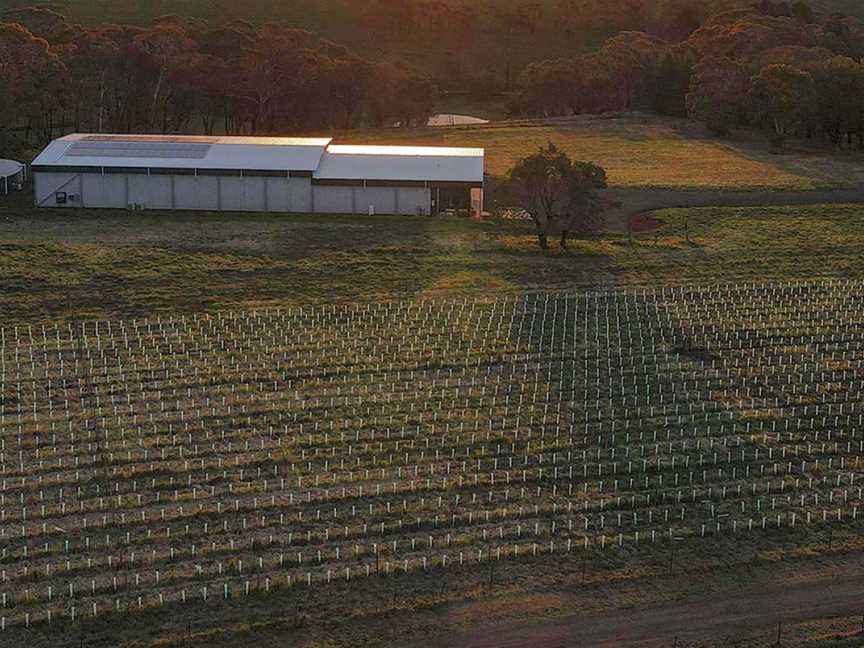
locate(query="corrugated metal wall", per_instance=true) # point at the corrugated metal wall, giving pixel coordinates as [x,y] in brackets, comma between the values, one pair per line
[225,193]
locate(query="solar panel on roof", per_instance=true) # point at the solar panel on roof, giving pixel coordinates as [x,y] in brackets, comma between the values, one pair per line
[142,149]
[180,139]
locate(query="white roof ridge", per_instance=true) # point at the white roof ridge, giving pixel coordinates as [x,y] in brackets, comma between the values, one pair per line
[399,149]
[401,163]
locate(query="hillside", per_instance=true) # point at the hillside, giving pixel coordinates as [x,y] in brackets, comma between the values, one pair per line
[459,44]
[323,15]
[640,151]
[849,7]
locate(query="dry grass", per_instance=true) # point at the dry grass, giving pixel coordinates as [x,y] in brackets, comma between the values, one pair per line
[647,152]
[114,264]
[841,632]
[535,591]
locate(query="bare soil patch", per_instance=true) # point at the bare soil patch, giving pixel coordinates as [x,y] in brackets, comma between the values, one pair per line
[741,608]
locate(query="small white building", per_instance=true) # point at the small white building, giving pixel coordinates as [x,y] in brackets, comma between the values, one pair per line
[12,175]
[255,174]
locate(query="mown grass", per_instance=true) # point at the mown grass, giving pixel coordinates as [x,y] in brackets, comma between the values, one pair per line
[98,264]
[646,152]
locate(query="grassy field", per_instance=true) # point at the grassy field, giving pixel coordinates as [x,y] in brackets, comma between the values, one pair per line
[107,263]
[100,264]
[647,152]
[672,438]
[111,264]
[539,590]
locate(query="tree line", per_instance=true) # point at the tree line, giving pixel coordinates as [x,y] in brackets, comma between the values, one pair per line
[775,65]
[181,75]
[461,45]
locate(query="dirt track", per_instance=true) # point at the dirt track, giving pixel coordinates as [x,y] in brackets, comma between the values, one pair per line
[726,613]
[636,201]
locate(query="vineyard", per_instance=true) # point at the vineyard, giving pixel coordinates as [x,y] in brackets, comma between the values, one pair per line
[184,460]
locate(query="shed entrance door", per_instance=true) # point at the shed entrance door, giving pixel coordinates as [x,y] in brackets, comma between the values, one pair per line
[450,197]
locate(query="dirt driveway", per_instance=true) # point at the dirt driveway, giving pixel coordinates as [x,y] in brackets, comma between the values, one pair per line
[636,201]
[724,613]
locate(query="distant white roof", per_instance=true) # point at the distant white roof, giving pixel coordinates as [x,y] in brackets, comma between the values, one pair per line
[327,161]
[185,152]
[9,168]
[432,163]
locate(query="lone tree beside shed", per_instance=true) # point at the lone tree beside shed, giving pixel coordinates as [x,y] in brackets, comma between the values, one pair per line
[560,195]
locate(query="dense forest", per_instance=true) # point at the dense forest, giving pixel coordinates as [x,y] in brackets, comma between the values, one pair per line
[260,66]
[178,74]
[777,66]
[458,44]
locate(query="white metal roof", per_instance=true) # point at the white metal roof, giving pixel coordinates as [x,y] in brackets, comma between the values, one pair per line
[9,168]
[432,163]
[327,161]
[185,152]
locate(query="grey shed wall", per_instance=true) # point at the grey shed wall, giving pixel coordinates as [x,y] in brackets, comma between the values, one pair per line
[333,199]
[224,193]
[185,192]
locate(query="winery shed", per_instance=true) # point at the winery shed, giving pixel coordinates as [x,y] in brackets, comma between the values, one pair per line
[255,174]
